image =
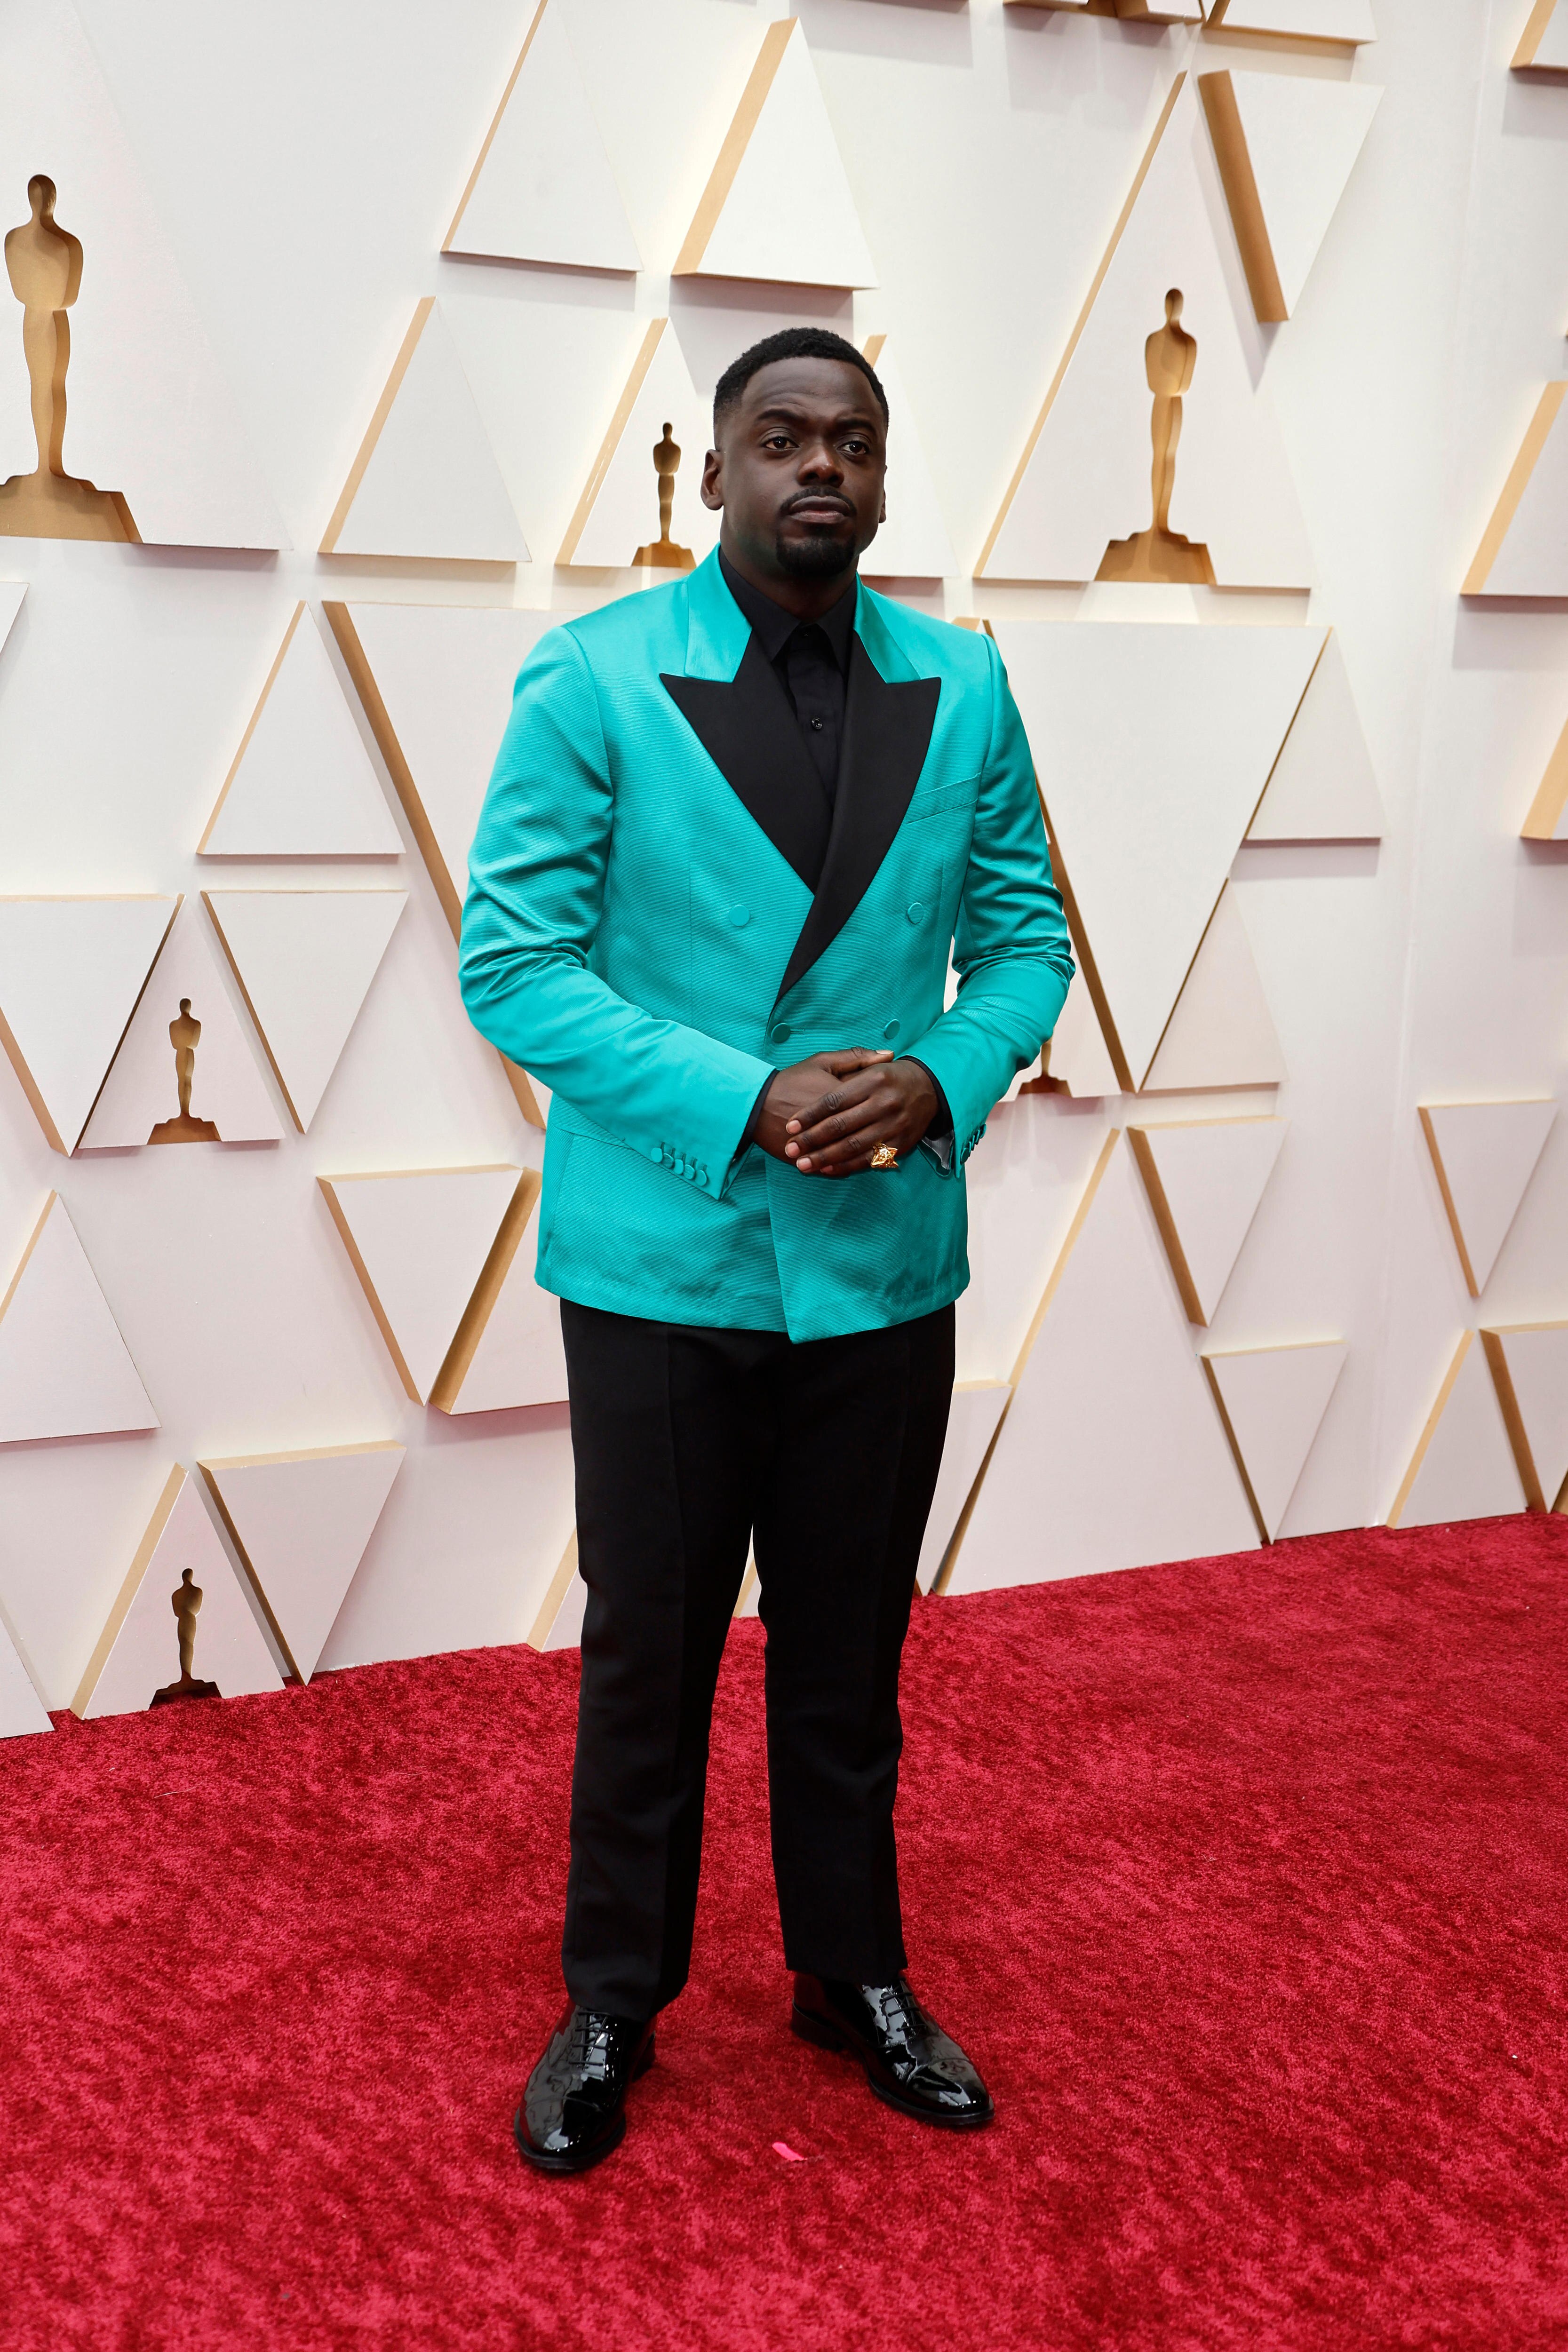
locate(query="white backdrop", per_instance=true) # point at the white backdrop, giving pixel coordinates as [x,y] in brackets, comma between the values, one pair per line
[304,163]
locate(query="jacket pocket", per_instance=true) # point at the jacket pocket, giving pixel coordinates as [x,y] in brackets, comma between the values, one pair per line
[944,800]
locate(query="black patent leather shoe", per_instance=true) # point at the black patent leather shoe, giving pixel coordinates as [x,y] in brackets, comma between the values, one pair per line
[573,2110]
[909,2061]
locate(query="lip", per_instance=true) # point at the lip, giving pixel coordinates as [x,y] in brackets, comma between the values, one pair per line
[812,510]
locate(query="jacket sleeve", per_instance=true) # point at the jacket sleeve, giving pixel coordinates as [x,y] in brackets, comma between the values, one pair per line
[536,884]
[1010,949]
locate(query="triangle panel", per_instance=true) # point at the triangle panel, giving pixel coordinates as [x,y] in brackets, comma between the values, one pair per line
[420,1242]
[301,784]
[65,1372]
[1524,550]
[436,681]
[21,1709]
[1204,1178]
[138,1651]
[305,960]
[1530,1370]
[1323,787]
[301,1522]
[973,1421]
[1273,1401]
[1221,1033]
[618,513]
[426,482]
[913,543]
[1544,45]
[1463,1466]
[1156,741]
[513,1354]
[140,1103]
[1083,482]
[70,973]
[543,189]
[1286,146]
[778,204]
[1485,1155]
[152,416]
[1111,1454]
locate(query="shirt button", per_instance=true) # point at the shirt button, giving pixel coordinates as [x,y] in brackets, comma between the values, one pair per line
[915,911]
[739,917]
[779,1033]
[890,1029]
[815,724]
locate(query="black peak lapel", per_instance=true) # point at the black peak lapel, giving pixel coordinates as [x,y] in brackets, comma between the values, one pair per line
[887,733]
[749,731]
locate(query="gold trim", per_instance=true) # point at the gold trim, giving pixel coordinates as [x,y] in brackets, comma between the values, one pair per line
[943,1577]
[1430,1430]
[374,430]
[1513,490]
[554,1594]
[1240,182]
[250,729]
[536,21]
[721,179]
[152,1537]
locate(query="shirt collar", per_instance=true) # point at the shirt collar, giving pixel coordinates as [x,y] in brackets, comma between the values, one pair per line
[773,627]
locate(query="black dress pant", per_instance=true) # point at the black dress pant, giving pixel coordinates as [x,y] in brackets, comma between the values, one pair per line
[824,1454]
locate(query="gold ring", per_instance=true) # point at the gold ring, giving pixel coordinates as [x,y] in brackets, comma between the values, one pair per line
[884,1156]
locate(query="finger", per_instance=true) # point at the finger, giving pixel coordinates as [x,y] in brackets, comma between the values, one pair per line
[836,1116]
[863,1087]
[845,1138]
[855,1057]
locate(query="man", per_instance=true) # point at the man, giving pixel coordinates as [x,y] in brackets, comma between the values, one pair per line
[735,824]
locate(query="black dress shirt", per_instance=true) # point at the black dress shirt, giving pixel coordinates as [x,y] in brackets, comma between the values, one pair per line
[811,662]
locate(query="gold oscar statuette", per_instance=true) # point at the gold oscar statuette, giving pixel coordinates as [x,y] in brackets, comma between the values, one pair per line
[1161,553]
[663,551]
[43,262]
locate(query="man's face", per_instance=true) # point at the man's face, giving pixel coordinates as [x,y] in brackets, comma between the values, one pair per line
[799,469]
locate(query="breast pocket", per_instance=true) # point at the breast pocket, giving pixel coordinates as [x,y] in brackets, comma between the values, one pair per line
[954,799]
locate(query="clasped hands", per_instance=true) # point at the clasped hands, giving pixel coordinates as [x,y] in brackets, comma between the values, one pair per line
[829,1114]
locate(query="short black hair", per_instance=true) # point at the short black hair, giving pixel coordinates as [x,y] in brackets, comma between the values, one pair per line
[791,343]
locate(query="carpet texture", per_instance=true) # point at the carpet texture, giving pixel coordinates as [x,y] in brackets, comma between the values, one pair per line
[1244,1881]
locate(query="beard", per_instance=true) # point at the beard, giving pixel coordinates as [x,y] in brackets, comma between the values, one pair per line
[813,559]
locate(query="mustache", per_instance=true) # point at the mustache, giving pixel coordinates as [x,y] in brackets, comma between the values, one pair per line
[817,498]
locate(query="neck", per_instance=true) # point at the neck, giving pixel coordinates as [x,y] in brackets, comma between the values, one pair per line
[806,599]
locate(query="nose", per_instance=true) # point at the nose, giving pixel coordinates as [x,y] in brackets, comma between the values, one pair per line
[819,463]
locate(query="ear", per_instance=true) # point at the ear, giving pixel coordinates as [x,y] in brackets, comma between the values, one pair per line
[882,515]
[713,478]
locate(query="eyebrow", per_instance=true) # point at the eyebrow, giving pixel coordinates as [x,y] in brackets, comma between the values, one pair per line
[794,414]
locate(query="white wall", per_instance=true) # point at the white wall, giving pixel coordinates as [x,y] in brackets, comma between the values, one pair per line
[305,163]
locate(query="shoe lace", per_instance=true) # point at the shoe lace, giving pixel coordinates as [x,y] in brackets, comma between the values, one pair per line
[897,2009]
[588,2051]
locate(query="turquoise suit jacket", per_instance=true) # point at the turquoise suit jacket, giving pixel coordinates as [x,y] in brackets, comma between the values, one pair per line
[637,935]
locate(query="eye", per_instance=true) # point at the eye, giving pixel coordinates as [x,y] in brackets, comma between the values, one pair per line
[776,441]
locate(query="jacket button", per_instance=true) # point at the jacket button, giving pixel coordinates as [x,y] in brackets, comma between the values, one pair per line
[915,912]
[779,1033]
[890,1029]
[739,917]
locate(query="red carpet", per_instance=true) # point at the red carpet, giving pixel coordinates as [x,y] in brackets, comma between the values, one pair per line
[1244,1879]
